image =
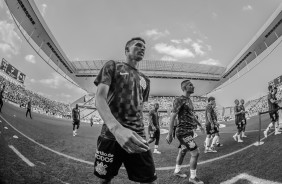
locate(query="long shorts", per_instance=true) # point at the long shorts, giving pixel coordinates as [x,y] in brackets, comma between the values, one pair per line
[110,155]
[274,116]
[211,131]
[187,141]
[153,134]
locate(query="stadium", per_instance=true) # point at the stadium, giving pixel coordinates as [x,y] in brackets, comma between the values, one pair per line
[42,151]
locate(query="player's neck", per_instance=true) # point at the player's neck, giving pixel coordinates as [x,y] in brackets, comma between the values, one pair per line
[132,63]
[187,94]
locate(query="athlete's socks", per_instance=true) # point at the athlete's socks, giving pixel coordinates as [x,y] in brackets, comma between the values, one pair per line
[207,141]
[177,168]
[214,140]
[192,173]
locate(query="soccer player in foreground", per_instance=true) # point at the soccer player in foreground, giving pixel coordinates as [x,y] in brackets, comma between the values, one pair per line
[212,126]
[122,90]
[1,97]
[154,127]
[273,105]
[183,108]
[238,121]
[244,118]
[76,120]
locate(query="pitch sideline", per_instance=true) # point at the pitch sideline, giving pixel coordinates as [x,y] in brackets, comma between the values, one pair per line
[159,168]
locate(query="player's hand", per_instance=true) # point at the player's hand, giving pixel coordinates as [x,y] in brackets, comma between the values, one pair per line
[130,141]
[169,138]
[154,128]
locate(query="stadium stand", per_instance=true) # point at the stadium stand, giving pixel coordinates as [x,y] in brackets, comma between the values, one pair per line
[17,94]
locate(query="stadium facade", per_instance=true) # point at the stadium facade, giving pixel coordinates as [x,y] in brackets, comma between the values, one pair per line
[162,73]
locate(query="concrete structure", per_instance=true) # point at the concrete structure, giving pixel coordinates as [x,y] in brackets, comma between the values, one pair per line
[162,73]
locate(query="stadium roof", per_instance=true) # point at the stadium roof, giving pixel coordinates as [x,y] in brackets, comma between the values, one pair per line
[165,75]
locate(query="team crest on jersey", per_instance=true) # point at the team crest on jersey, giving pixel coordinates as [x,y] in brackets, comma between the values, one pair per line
[143,83]
[192,144]
[101,168]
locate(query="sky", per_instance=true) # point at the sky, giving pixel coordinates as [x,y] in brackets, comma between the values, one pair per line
[194,31]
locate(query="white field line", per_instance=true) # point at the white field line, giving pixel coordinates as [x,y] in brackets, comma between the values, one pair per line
[21,156]
[159,168]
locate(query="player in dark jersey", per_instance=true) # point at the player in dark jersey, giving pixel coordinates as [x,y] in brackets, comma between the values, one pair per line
[212,127]
[272,105]
[121,93]
[28,109]
[238,121]
[76,120]
[183,108]
[91,121]
[242,101]
[1,97]
[154,127]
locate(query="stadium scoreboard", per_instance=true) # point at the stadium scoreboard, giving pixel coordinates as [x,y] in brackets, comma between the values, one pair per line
[12,71]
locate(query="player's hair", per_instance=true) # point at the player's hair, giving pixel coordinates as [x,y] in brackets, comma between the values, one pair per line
[236,100]
[131,40]
[183,84]
[156,103]
[269,88]
[211,98]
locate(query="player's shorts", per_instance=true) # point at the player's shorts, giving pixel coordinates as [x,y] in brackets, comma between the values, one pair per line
[110,155]
[239,125]
[274,116]
[244,121]
[187,141]
[76,122]
[153,134]
[211,131]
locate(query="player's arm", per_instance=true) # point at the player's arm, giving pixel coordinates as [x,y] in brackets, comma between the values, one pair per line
[171,125]
[199,124]
[236,112]
[151,120]
[209,116]
[128,139]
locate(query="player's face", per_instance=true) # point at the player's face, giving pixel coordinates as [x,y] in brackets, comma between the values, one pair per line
[242,101]
[136,50]
[189,87]
[236,102]
[156,106]
[213,103]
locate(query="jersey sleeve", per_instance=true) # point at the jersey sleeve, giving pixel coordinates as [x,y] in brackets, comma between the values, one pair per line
[106,74]
[177,103]
[146,91]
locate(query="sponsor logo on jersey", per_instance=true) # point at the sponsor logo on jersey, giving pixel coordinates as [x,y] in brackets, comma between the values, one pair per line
[100,155]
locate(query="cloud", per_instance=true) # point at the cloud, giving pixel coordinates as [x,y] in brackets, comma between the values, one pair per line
[168,58]
[173,51]
[176,41]
[30,58]
[247,8]
[65,95]
[198,49]
[187,40]
[210,61]
[155,34]
[9,39]
[54,82]
[74,88]
[1,3]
